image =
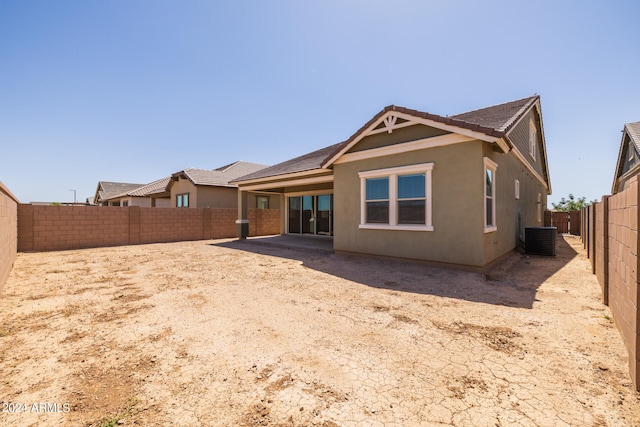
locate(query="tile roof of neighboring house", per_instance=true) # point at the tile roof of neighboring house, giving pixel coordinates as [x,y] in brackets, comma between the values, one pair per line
[493,121]
[107,190]
[238,169]
[218,177]
[155,187]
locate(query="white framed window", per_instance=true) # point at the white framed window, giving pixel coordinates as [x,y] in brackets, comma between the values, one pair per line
[490,168]
[533,139]
[397,198]
[517,189]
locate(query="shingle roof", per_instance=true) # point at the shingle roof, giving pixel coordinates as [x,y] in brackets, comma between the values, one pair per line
[309,161]
[108,190]
[633,129]
[219,177]
[498,117]
[493,121]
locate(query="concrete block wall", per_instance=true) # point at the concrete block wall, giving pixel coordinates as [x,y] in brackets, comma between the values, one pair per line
[169,225]
[8,232]
[51,228]
[263,222]
[623,271]
[599,262]
[611,238]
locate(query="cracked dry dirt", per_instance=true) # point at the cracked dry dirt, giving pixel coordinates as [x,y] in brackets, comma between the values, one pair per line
[224,333]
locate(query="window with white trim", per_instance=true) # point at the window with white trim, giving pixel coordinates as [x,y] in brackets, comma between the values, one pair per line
[397,198]
[377,200]
[533,139]
[490,168]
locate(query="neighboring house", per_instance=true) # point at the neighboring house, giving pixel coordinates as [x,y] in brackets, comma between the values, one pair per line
[200,188]
[152,195]
[409,184]
[107,190]
[628,158]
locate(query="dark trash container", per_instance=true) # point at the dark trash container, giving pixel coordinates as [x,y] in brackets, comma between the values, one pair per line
[540,240]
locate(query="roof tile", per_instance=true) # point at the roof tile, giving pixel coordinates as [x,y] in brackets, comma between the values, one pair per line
[493,121]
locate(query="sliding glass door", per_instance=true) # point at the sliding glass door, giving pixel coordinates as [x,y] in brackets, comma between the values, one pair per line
[311,214]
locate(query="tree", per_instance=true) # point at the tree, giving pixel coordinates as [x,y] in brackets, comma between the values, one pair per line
[572,204]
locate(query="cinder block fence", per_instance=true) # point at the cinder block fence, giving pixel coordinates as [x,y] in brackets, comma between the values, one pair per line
[610,235]
[51,228]
[8,232]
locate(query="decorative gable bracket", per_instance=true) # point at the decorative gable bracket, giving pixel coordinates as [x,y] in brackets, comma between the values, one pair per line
[391,122]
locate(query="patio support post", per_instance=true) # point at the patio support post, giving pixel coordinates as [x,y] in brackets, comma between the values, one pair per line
[242,223]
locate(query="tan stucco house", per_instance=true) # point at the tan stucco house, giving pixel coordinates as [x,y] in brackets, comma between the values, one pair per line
[149,195]
[408,184]
[628,157]
[107,191]
[201,188]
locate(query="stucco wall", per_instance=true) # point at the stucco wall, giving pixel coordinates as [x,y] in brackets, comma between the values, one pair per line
[458,207]
[182,186]
[457,187]
[8,232]
[512,215]
[216,197]
[204,196]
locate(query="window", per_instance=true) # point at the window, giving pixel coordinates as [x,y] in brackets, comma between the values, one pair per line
[411,199]
[517,189]
[115,203]
[262,202]
[125,203]
[490,168]
[397,198]
[377,200]
[533,139]
[182,200]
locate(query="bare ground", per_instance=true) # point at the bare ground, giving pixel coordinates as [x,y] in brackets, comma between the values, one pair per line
[224,333]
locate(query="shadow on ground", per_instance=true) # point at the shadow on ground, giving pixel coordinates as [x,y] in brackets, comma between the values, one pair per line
[512,282]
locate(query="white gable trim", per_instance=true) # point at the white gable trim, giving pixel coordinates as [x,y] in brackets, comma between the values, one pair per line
[420,144]
[390,125]
[290,183]
[280,177]
[418,120]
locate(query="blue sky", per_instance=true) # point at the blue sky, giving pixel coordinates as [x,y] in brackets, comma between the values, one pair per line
[134,90]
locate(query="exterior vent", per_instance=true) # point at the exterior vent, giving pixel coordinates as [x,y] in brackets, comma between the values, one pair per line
[540,240]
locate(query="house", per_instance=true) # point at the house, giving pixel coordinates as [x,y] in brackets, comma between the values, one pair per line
[154,194]
[414,185]
[628,157]
[107,190]
[199,188]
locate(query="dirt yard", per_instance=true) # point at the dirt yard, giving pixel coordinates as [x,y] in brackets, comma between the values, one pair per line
[224,333]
